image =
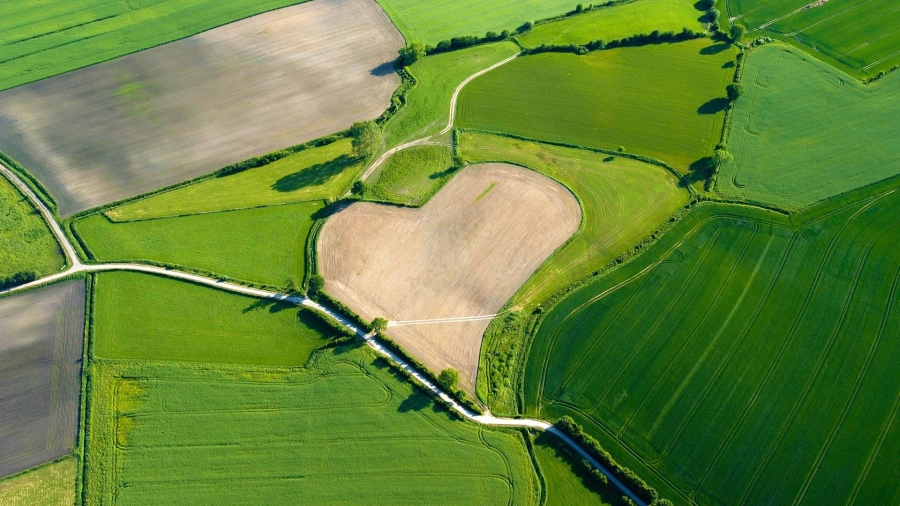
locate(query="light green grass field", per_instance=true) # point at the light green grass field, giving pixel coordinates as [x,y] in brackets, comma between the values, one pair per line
[663,101]
[49,485]
[859,36]
[261,245]
[26,243]
[617,22]
[744,358]
[344,430]
[43,38]
[567,482]
[412,176]
[146,317]
[428,104]
[312,174]
[429,23]
[803,131]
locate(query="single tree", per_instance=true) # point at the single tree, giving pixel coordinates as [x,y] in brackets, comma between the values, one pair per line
[366,138]
[379,325]
[705,5]
[411,54]
[737,31]
[316,284]
[721,157]
[449,378]
[712,16]
[734,91]
[358,188]
[621,149]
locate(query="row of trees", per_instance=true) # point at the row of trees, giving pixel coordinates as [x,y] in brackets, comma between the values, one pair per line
[19,278]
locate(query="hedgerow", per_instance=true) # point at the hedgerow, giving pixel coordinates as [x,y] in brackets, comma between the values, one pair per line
[655,37]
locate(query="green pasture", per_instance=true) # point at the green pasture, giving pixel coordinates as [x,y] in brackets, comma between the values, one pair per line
[261,245]
[427,108]
[803,131]
[412,176]
[312,174]
[858,36]
[49,485]
[663,101]
[567,481]
[429,23]
[146,317]
[26,240]
[43,38]
[744,358]
[343,430]
[617,22]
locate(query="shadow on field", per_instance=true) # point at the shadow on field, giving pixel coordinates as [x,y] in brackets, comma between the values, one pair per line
[728,65]
[701,170]
[444,173]
[715,48]
[275,306]
[330,209]
[385,69]
[562,452]
[315,175]
[714,106]
[415,402]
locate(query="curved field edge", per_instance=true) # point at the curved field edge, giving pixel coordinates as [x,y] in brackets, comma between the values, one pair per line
[28,244]
[637,455]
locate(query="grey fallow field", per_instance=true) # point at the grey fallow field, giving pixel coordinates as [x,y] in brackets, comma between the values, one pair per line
[167,114]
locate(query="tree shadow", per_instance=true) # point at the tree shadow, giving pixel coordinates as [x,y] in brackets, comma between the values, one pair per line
[331,209]
[315,175]
[715,49]
[386,68]
[728,65]
[444,173]
[417,401]
[609,158]
[607,492]
[275,306]
[714,106]
[701,170]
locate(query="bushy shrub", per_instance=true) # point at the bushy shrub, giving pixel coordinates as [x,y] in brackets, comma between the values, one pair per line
[705,5]
[734,91]
[19,278]
[366,138]
[448,379]
[411,54]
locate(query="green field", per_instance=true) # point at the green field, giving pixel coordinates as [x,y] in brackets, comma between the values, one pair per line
[803,131]
[343,430]
[261,245]
[427,106]
[567,481]
[429,23]
[146,317]
[662,101]
[745,358]
[49,485]
[617,22]
[412,176]
[43,38]
[312,174]
[859,36]
[27,243]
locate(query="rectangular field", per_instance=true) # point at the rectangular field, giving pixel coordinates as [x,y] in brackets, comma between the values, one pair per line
[859,36]
[663,101]
[154,118]
[746,358]
[344,430]
[40,374]
[145,317]
[27,243]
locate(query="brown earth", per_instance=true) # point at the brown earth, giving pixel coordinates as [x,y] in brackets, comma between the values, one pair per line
[465,253]
[177,111]
[41,335]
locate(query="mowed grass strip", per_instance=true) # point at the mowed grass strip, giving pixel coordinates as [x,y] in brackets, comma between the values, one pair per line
[427,108]
[617,22]
[146,317]
[47,37]
[345,430]
[312,174]
[803,131]
[746,357]
[261,245]
[412,176]
[429,23]
[50,485]
[27,243]
[663,101]
[858,36]
[622,201]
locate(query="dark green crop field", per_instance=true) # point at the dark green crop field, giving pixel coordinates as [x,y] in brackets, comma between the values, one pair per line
[663,101]
[43,38]
[744,358]
[803,132]
[859,36]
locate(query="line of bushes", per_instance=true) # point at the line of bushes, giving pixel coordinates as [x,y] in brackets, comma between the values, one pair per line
[399,98]
[19,278]
[881,74]
[655,37]
[266,159]
[628,477]
[325,299]
[330,322]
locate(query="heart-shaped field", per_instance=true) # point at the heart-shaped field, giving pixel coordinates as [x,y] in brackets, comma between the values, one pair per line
[463,254]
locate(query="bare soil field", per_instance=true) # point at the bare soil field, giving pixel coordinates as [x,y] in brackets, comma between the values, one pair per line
[177,111]
[465,253]
[40,374]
